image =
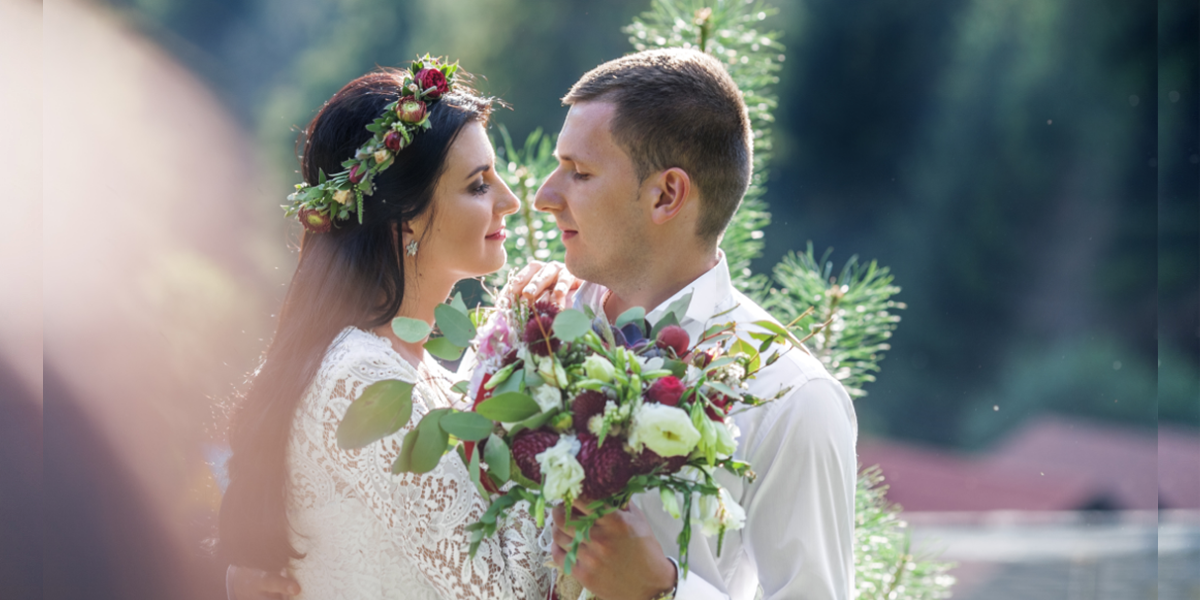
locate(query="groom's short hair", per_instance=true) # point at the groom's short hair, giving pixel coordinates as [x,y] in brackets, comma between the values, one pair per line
[679,108]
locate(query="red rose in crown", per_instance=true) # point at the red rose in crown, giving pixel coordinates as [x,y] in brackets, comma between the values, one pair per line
[432,78]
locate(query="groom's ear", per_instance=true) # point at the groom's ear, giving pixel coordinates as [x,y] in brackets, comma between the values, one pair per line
[670,194]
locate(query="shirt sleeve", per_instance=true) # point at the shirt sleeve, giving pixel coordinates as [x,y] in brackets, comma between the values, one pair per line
[799,529]
[427,514]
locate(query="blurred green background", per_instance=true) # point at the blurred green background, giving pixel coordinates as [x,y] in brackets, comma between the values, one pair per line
[1027,168]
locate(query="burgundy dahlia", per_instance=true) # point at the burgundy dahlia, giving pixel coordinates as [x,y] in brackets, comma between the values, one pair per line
[674,337]
[315,220]
[539,334]
[525,448]
[606,469]
[545,308]
[585,406]
[432,78]
[667,390]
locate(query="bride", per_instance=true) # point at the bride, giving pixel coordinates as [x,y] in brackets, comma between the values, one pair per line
[337,520]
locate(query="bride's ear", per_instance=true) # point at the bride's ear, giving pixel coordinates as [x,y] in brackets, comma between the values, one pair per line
[402,233]
[669,195]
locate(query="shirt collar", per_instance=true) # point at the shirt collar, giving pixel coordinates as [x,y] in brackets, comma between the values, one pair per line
[711,293]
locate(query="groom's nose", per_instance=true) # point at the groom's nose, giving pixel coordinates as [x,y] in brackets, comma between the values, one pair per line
[547,197]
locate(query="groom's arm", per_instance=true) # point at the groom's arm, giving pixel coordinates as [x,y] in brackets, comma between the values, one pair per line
[800,511]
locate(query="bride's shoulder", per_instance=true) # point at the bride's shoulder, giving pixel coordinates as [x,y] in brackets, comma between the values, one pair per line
[366,356]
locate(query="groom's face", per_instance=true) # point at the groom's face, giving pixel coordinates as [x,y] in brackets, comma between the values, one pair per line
[594,196]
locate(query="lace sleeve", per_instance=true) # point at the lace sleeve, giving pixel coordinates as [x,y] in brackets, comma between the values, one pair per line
[426,515]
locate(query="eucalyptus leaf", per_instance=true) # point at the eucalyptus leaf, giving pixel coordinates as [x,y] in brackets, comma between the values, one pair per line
[636,315]
[444,349]
[410,330]
[461,387]
[679,307]
[467,426]
[382,409]
[570,324]
[403,463]
[508,407]
[431,444]
[458,304]
[455,324]
[498,457]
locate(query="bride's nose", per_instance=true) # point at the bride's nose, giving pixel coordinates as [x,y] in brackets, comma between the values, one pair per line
[507,203]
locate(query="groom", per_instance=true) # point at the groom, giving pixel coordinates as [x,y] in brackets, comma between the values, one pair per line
[654,158]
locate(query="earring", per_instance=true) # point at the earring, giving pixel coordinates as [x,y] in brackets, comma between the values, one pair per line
[411,248]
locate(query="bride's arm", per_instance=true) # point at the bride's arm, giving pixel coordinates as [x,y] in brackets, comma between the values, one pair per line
[428,515]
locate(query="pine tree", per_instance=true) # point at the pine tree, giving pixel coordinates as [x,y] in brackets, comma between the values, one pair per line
[846,318]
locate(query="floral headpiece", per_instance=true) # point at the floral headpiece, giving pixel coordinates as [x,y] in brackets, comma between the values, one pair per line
[339,195]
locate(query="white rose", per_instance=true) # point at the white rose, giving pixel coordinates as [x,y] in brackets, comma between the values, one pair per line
[717,512]
[547,398]
[562,475]
[381,155]
[666,430]
[342,196]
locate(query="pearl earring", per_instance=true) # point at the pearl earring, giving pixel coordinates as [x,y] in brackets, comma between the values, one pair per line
[411,249]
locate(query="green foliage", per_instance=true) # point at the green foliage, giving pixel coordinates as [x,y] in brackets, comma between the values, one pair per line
[848,316]
[382,409]
[885,567]
[729,30]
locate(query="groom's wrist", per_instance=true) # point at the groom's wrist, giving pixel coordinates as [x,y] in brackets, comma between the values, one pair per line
[669,583]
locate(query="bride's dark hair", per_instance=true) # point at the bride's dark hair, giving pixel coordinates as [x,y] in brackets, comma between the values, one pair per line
[350,275]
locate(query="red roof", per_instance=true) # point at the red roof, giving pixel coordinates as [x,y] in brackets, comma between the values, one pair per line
[1053,463]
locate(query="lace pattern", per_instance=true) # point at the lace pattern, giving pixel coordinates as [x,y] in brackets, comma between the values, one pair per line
[370,534]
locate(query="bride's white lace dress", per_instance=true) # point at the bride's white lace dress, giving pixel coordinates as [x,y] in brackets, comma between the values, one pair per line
[367,533]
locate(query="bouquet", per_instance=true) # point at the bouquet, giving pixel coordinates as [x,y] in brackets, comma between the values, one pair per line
[566,407]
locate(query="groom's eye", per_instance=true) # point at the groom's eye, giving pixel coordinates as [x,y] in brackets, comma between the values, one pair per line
[580,176]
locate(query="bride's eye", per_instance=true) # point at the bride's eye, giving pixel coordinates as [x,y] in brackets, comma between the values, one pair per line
[480,188]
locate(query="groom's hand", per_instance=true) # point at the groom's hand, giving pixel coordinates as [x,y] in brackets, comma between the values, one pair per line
[622,560]
[538,280]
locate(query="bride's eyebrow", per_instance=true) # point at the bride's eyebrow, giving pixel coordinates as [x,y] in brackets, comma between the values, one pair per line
[478,170]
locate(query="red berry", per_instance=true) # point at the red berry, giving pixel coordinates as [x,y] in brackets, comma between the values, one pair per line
[667,390]
[675,338]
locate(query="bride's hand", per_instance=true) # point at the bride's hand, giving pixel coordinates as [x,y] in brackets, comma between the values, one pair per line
[538,280]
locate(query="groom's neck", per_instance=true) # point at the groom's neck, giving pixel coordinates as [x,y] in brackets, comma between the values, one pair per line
[660,281]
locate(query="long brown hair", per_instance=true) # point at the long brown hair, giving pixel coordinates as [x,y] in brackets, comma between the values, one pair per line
[351,275]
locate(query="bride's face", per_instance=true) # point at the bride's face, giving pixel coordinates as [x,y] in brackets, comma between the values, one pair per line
[463,235]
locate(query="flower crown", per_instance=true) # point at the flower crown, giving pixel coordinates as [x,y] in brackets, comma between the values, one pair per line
[339,195]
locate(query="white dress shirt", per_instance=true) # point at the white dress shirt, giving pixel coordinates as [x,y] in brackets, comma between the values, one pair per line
[798,538]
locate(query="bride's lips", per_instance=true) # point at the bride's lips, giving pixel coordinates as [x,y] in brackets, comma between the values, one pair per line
[500,235]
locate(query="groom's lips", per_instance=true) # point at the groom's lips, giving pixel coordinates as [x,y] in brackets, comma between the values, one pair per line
[568,234]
